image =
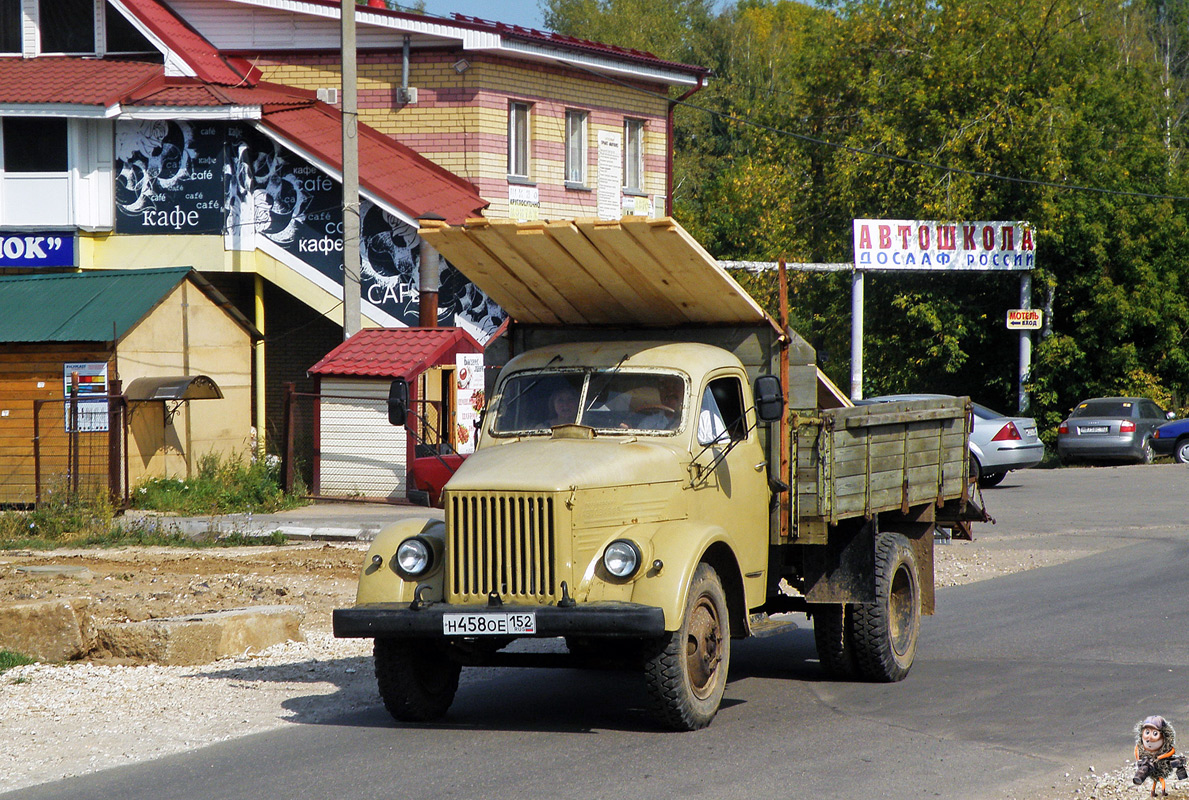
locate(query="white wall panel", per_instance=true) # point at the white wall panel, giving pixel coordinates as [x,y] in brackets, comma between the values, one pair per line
[361,454]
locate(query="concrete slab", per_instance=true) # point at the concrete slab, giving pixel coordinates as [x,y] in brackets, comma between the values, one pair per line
[48,630]
[202,638]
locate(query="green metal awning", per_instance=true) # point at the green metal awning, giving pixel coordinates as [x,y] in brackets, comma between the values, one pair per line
[81,307]
[90,306]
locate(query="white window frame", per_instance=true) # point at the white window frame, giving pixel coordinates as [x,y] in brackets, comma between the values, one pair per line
[633,155]
[40,199]
[520,140]
[577,123]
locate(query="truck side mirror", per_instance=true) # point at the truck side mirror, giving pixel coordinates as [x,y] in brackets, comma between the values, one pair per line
[769,398]
[398,402]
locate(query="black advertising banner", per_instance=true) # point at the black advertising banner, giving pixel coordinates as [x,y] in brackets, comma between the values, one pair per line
[184,178]
[169,177]
[287,200]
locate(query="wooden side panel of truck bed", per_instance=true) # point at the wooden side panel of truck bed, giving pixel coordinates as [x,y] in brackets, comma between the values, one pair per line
[856,462]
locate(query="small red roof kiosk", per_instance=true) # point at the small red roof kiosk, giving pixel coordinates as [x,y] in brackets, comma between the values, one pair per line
[357,454]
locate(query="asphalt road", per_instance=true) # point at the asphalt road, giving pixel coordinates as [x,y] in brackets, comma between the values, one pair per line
[1018,680]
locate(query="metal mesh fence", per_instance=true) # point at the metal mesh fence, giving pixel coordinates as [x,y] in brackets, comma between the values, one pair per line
[72,449]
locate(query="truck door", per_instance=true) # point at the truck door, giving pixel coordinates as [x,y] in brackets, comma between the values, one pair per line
[734,492]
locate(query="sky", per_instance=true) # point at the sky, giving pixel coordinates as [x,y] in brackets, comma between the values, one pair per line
[516,12]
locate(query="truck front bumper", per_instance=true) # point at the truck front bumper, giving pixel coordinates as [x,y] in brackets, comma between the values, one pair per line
[399,621]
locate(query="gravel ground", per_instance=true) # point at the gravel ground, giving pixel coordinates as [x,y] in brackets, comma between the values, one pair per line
[57,718]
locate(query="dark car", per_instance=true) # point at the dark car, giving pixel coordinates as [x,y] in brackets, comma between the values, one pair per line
[1110,429]
[1172,438]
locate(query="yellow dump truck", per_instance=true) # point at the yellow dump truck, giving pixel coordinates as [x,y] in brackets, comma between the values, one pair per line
[661,469]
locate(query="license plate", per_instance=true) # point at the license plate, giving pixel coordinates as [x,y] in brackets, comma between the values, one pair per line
[1030,433]
[490,624]
[1094,429]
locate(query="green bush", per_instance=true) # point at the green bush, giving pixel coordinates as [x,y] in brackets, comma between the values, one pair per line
[220,486]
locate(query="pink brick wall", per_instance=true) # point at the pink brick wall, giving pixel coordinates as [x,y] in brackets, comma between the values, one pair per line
[460,121]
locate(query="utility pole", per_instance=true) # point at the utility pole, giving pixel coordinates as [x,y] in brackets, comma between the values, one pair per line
[352,318]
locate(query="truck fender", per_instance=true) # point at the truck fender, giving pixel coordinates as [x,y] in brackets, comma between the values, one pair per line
[379,581]
[680,547]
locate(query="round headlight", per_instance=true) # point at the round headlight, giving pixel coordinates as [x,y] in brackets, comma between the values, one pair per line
[413,557]
[621,558]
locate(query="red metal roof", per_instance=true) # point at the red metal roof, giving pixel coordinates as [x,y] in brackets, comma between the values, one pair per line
[574,43]
[390,170]
[396,352]
[203,57]
[192,92]
[67,79]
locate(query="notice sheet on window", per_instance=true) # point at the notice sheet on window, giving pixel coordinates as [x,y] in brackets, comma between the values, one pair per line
[610,189]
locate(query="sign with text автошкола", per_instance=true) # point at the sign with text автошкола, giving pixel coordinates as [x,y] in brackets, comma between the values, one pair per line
[900,244]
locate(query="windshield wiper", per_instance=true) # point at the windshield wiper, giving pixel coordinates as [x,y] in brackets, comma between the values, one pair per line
[607,376]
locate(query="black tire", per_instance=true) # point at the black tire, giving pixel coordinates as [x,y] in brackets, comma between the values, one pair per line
[686,670]
[1180,452]
[833,634]
[886,632]
[1146,453]
[992,479]
[417,679]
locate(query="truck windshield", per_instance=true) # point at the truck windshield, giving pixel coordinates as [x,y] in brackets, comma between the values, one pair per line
[612,401]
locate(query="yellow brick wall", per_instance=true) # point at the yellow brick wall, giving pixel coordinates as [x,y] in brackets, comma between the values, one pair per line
[460,120]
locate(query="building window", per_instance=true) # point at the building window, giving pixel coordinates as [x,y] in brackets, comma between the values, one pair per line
[67,26]
[122,35]
[633,155]
[576,147]
[10,26]
[35,184]
[518,140]
[35,144]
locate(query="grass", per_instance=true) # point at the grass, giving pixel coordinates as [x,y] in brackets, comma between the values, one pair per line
[10,659]
[221,486]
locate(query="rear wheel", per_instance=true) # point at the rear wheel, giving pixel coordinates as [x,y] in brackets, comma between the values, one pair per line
[833,634]
[993,479]
[1180,453]
[686,670]
[1146,453]
[886,632]
[417,679]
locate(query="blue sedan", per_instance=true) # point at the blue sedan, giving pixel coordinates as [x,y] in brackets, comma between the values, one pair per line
[1172,438]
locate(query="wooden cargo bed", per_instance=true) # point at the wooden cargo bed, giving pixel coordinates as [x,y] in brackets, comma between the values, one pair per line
[866,460]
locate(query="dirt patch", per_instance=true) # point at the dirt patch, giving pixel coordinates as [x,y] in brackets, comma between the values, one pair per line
[134,584]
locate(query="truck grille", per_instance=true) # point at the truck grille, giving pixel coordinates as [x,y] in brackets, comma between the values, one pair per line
[502,543]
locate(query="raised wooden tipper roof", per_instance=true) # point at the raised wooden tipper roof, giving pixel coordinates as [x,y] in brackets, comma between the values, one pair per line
[630,272]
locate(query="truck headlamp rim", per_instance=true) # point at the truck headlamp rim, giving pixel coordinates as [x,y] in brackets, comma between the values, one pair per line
[622,558]
[413,558]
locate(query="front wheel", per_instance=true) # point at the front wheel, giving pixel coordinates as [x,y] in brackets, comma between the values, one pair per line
[885,632]
[686,670]
[1181,452]
[417,679]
